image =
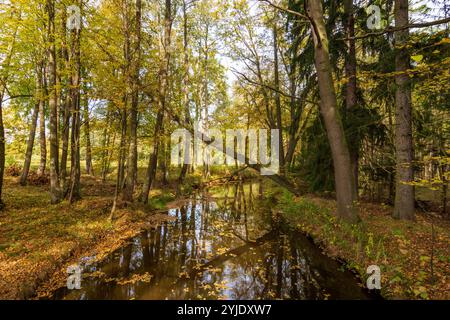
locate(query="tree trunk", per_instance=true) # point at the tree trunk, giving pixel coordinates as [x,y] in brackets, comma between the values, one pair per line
[65,137]
[42,138]
[206,165]
[187,116]
[87,137]
[345,187]
[163,79]
[3,82]
[351,86]
[55,191]
[2,148]
[277,96]
[31,136]
[404,195]
[294,125]
[124,112]
[106,146]
[39,99]
[164,162]
[153,161]
[121,162]
[68,103]
[75,171]
[132,155]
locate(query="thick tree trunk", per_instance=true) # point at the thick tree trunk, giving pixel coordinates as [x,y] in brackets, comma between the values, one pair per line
[404,195]
[345,187]
[351,86]
[55,191]
[132,155]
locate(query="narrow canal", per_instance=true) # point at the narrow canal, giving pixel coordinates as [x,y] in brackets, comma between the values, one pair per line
[221,244]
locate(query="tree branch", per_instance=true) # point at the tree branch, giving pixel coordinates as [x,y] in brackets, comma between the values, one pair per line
[394,29]
[295,13]
[272,88]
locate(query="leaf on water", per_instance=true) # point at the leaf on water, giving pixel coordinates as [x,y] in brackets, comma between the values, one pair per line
[417,58]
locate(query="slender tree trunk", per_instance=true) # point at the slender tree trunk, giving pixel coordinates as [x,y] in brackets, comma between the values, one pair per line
[345,187]
[444,190]
[277,96]
[39,100]
[164,161]
[106,147]
[42,138]
[3,81]
[187,116]
[153,161]
[404,194]
[2,147]
[132,155]
[55,191]
[124,113]
[206,165]
[163,79]
[87,137]
[65,136]
[31,136]
[121,165]
[351,86]
[75,171]
[68,103]
[294,125]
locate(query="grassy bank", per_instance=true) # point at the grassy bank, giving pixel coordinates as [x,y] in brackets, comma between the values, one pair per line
[414,259]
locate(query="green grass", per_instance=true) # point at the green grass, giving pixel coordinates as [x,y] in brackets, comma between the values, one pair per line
[402,249]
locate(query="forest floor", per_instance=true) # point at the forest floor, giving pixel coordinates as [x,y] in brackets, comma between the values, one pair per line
[414,257]
[37,239]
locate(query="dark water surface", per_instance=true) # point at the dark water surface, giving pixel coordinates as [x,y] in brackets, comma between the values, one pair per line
[220,245]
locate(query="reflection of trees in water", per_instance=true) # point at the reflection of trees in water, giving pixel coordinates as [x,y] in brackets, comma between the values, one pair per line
[245,246]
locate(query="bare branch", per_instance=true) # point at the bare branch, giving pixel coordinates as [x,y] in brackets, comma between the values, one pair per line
[270,87]
[298,14]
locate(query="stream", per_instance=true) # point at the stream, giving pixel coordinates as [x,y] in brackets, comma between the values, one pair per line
[220,245]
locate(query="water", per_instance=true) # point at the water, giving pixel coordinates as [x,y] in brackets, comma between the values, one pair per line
[220,245]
